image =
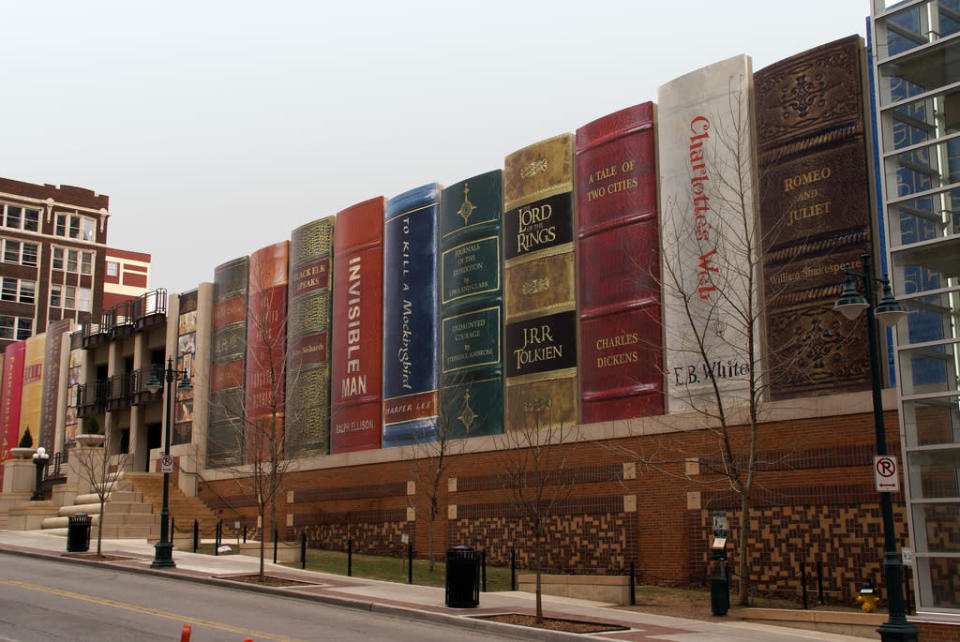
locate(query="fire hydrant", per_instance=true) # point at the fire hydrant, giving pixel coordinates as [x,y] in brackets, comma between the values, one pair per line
[867,598]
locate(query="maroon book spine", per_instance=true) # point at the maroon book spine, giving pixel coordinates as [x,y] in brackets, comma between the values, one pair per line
[10,400]
[356,417]
[621,370]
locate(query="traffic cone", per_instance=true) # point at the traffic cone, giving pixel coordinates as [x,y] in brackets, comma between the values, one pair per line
[185,636]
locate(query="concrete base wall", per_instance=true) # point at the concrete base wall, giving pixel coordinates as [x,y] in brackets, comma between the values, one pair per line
[611,589]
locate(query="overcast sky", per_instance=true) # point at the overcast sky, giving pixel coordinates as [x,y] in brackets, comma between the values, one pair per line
[218,127]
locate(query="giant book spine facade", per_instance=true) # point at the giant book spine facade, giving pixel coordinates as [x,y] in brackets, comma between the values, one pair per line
[618,251]
[51,382]
[186,361]
[10,400]
[410,315]
[540,296]
[225,432]
[266,353]
[709,242]
[471,307]
[815,214]
[356,409]
[308,340]
[31,399]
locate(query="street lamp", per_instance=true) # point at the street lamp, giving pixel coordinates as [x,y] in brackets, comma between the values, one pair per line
[163,555]
[888,310]
[39,460]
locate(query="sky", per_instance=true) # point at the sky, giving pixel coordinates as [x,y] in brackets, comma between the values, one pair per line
[216,127]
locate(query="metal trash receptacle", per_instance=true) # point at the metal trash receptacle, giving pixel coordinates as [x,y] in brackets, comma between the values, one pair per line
[463,578]
[719,595]
[78,533]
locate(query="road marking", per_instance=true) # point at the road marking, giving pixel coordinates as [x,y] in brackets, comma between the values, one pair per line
[140,609]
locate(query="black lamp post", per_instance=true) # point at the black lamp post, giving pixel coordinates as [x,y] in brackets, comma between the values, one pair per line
[39,460]
[888,311]
[163,555]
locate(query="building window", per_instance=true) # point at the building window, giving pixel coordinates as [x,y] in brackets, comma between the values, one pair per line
[70,225]
[113,268]
[20,218]
[18,328]
[56,293]
[83,299]
[19,252]
[72,261]
[17,290]
[69,296]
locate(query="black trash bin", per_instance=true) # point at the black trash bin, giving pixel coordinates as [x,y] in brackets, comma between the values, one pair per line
[463,578]
[78,533]
[719,595]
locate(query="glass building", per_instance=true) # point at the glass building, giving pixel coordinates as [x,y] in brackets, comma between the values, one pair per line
[916,57]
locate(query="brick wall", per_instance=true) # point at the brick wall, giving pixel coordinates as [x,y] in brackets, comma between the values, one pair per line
[641,499]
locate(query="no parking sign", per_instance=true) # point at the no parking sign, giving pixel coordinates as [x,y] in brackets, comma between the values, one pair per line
[885,474]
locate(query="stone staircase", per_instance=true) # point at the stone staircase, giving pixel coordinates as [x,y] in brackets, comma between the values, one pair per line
[125,514]
[183,510]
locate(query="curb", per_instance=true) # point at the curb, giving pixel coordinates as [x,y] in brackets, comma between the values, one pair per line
[464,621]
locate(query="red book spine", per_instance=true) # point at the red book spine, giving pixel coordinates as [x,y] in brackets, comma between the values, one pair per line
[266,350]
[621,370]
[357,332]
[10,400]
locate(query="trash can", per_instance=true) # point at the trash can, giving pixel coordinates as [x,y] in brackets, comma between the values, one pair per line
[719,595]
[463,578]
[78,533]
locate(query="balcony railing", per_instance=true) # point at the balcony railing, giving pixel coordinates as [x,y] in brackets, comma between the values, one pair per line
[92,398]
[118,391]
[139,394]
[125,318]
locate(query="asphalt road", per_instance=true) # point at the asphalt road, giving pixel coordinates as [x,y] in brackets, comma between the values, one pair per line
[47,600]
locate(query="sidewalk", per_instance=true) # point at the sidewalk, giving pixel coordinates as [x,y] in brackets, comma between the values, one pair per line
[415,601]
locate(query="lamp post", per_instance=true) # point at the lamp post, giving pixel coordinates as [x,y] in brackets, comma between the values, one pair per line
[888,311]
[39,460]
[163,552]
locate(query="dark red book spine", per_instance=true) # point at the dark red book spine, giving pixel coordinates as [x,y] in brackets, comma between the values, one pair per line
[10,400]
[621,370]
[356,388]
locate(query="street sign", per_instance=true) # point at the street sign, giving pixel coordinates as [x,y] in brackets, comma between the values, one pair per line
[885,474]
[166,464]
[720,525]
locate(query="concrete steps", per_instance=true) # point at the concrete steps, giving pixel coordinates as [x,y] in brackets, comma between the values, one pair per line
[183,510]
[125,515]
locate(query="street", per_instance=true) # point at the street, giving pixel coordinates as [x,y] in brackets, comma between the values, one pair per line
[44,600]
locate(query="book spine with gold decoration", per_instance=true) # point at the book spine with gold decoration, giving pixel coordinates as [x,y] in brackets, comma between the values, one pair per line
[224,434]
[618,252]
[356,410]
[471,307]
[308,340]
[10,400]
[540,296]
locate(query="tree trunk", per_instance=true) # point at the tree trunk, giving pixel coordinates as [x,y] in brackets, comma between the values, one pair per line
[538,553]
[433,522]
[743,595]
[262,538]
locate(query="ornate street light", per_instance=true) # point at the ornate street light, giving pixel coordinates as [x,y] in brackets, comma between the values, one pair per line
[39,460]
[888,311]
[163,551]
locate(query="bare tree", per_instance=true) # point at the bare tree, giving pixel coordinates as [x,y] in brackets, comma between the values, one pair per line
[258,430]
[532,466]
[430,464]
[93,466]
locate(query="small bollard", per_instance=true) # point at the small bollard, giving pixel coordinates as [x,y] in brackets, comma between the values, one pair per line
[409,562]
[274,546]
[633,586]
[303,550]
[513,569]
[349,557]
[483,570]
[196,535]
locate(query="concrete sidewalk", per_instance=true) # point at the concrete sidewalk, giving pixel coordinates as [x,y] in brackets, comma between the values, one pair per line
[415,601]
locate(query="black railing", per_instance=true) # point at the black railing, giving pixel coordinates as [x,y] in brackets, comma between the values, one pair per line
[138,385]
[125,318]
[92,398]
[118,391]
